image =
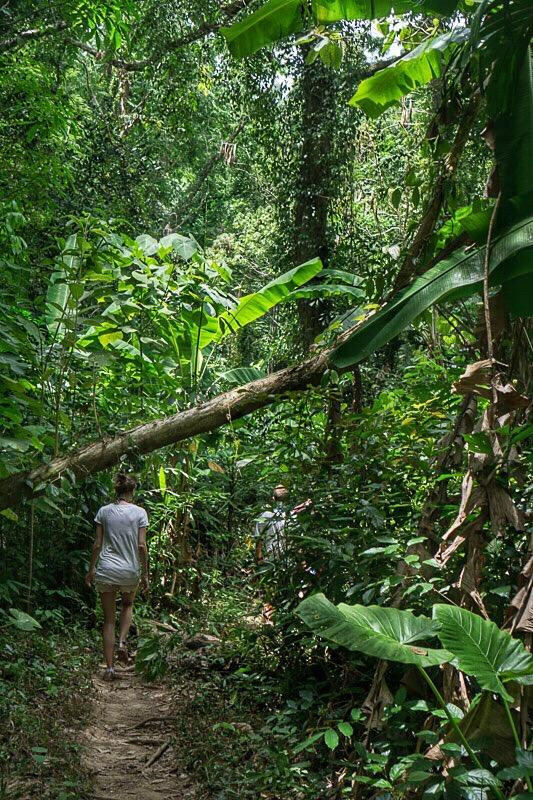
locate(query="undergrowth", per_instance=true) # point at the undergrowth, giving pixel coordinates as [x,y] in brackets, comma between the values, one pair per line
[45,699]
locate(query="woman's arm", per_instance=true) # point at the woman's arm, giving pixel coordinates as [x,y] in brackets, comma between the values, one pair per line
[143,558]
[97,546]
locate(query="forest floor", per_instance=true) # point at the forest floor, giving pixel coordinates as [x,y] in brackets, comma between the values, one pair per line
[66,734]
[128,750]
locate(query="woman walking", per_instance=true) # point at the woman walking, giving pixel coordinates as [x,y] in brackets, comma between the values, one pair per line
[119,561]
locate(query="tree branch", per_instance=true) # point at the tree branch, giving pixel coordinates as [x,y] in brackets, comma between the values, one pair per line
[378,66]
[226,13]
[29,35]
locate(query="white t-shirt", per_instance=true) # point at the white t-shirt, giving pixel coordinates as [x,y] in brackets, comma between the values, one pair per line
[119,557]
[270,528]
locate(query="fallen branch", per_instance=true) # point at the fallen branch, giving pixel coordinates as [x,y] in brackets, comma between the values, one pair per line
[209,416]
[158,753]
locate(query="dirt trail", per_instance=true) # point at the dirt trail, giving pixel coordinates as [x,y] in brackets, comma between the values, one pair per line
[118,749]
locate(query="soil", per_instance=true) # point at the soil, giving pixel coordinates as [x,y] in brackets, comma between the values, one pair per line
[118,747]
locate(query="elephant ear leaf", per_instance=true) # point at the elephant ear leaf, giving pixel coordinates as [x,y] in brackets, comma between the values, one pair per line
[481,649]
[385,633]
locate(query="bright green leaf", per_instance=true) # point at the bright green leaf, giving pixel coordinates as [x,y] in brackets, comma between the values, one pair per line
[385,633]
[460,275]
[481,649]
[331,738]
[420,66]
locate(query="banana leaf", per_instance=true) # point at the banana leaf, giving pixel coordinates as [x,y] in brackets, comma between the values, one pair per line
[513,138]
[58,294]
[385,633]
[500,35]
[481,649]
[333,10]
[277,19]
[253,306]
[460,275]
[422,65]
[518,295]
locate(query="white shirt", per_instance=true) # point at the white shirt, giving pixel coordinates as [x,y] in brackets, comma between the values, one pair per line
[119,557]
[270,528]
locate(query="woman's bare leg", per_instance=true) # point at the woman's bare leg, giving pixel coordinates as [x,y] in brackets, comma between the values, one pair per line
[108,605]
[126,612]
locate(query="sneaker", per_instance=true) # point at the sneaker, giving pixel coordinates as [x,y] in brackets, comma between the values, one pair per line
[109,674]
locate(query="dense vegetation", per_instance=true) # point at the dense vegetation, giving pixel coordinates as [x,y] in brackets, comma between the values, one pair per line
[297,239]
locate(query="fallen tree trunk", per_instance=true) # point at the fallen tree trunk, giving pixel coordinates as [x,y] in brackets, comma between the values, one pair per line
[153,435]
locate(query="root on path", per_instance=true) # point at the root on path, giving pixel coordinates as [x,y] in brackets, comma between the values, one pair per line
[128,763]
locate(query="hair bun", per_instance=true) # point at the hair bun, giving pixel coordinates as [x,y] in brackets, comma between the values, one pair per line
[124,484]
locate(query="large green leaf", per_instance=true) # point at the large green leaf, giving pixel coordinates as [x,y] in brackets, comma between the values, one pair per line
[273,21]
[21,620]
[58,293]
[334,10]
[460,275]
[277,19]
[513,137]
[500,35]
[518,294]
[381,632]
[253,306]
[426,62]
[481,649]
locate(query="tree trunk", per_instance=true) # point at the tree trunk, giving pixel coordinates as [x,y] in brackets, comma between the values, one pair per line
[314,188]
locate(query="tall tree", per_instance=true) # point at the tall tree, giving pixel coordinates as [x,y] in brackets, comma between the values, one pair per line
[314,185]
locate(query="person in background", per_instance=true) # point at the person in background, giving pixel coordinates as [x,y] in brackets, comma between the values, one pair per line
[119,561]
[270,533]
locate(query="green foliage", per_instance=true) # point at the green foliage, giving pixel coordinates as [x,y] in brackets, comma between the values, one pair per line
[420,66]
[102,328]
[274,20]
[45,694]
[381,632]
[333,10]
[253,306]
[458,276]
[513,138]
[492,656]
[475,645]
[277,19]
[21,620]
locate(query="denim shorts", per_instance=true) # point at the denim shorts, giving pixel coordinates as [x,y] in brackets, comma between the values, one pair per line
[123,588]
